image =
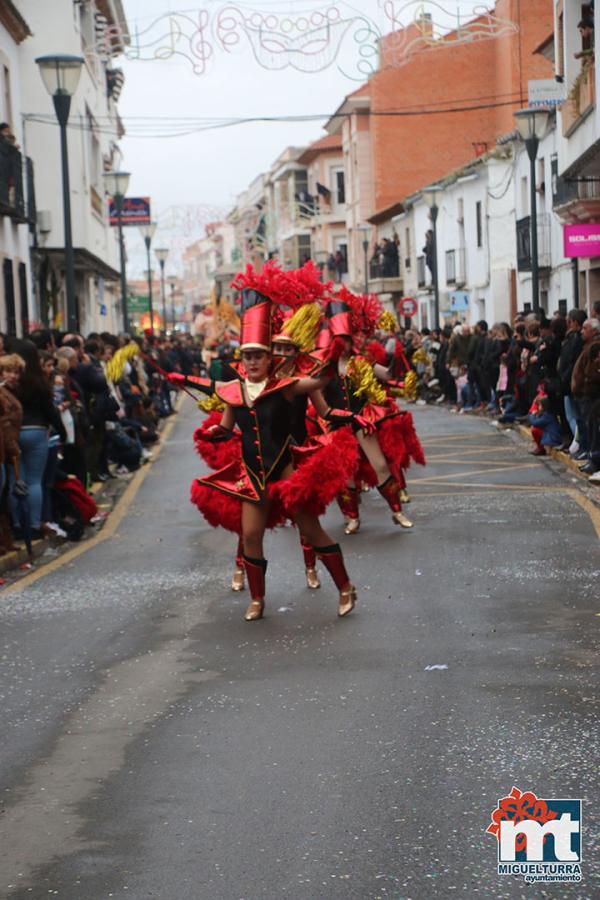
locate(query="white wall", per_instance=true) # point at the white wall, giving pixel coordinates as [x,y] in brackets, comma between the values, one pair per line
[14,238]
[55,29]
[558,284]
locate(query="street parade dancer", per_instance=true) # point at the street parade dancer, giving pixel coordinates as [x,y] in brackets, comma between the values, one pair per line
[355,387]
[297,326]
[263,488]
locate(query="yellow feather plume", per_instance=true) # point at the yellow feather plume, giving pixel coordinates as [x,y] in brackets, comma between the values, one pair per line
[116,366]
[410,385]
[361,374]
[387,321]
[208,404]
[303,326]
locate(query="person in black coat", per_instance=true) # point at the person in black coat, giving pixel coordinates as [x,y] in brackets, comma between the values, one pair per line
[569,354]
[101,408]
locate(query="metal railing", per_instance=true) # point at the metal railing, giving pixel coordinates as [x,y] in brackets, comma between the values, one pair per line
[12,198]
[523,234]
[387,268]
[567,190]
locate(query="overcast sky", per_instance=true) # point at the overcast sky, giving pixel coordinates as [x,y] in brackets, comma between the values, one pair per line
[211,167]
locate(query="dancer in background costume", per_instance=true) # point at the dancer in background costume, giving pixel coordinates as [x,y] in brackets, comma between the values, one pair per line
[354,388]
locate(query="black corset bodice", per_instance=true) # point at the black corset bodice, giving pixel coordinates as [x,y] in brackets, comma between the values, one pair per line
[266,432]
[339,394]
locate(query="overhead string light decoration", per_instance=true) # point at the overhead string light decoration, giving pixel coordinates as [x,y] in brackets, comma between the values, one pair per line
[313,41]
[415,26]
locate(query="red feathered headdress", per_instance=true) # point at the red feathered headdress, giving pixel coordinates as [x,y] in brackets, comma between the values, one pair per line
[375,353]
[272,282]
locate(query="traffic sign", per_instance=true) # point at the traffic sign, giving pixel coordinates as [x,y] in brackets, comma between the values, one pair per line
[408,307]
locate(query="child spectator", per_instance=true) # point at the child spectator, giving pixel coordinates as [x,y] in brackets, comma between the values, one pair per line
[545,428]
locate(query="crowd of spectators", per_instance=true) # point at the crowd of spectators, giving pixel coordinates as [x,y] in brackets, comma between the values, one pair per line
[537,371]
[64,424]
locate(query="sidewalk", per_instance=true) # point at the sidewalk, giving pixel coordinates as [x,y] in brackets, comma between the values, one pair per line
[520,430]
[107,496]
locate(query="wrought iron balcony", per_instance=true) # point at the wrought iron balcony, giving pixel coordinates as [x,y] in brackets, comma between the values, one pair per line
[12,198]
[384,276]
[389,268]
[577,200]
[524,242]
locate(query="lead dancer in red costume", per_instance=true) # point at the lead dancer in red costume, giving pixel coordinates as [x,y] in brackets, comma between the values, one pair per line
[259,404]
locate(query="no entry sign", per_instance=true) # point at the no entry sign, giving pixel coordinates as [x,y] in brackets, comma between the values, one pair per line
[408,307]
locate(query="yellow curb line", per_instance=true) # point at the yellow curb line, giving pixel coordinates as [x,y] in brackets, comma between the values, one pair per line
[590,508]
[115,518]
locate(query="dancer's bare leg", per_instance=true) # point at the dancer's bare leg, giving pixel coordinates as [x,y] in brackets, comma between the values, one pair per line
[387,486]
[331,556]
[254,523]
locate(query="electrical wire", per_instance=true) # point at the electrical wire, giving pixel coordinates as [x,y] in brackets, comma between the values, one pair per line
[142,128]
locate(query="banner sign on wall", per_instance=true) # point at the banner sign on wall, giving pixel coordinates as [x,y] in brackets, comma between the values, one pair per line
[136,211]
[582,240]
[459,301]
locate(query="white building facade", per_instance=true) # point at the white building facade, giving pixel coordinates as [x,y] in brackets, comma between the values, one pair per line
[484,240]
[16,202]
[94,31]
[576,175]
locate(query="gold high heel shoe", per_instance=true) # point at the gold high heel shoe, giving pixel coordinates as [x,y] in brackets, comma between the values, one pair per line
[347,601]
[238,580]
[255,610]
[400,519]
[312,579]
[404,496]
[352,526]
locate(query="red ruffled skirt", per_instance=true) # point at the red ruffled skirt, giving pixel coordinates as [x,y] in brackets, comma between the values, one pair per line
[322,468]
[218,454]
[399,444]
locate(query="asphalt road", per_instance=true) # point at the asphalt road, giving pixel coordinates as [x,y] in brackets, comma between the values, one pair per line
[156,745]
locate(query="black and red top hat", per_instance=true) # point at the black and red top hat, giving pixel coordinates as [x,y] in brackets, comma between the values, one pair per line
[256,321]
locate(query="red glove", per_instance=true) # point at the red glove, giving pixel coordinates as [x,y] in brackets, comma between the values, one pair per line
[367,425]
[176,378]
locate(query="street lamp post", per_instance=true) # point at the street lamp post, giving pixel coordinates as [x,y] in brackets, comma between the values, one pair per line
[147,232]
[431,195]
[173,285]
[60,75]
[161,254]
[532,124]
[116,185]
[366,233]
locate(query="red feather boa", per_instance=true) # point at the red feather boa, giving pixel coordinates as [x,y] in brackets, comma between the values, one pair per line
[324,468]
[220,454]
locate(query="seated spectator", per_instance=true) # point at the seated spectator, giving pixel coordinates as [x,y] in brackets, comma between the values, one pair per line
[545,427]
[124,448]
